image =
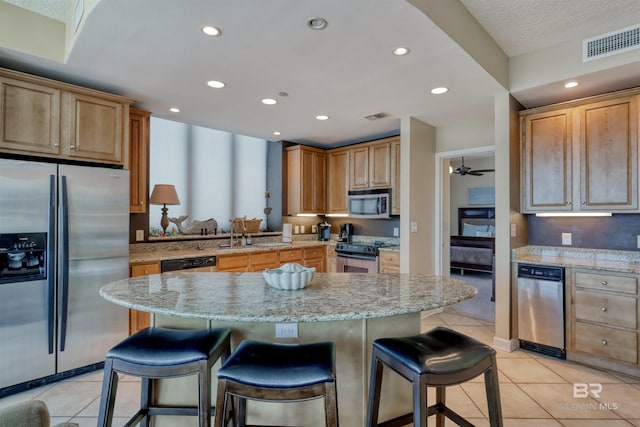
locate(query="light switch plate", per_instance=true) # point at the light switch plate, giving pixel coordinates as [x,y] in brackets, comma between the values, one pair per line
[296,229]
[638,241]
[513,230]
[286,330]
[566,238]
[396,233]
[302,229]
[139,235]
[414,226]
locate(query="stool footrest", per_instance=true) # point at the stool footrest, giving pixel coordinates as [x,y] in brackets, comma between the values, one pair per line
[400,421]
[439,408]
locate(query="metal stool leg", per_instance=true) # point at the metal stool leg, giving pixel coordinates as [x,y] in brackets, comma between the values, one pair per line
[493,394]
[109,386]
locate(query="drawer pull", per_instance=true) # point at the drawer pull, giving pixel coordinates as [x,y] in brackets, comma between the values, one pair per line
[604,308]
[604,283]
[604,342]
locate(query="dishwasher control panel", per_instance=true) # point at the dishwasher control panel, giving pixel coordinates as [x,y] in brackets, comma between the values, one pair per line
[541,272]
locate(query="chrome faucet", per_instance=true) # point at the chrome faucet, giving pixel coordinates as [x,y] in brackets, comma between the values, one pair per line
[233,221]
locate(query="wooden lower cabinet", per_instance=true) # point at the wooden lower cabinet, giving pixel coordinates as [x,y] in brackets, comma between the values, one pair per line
[141,319]
[332,264]
[262,261]
[290,255]
[233,263]
[315,257]
[389,262]
[603,323]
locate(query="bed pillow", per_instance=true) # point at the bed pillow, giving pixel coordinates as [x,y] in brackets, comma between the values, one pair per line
[492,231]
[474,230]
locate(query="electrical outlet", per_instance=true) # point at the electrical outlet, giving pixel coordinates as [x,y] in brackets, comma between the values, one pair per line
[286,330]
[302,229]
[513,230]
[139,235]
[414,226]
[296,229]
[638,241]
[566,238]
[396,232]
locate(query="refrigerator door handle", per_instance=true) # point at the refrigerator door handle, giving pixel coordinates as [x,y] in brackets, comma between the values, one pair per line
[64,265]
[51,263]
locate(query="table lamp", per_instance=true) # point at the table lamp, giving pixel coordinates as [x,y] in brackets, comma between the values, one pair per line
[164,194]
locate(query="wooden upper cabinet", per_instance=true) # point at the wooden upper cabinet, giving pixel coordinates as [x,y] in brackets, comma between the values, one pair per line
[609,154]
[370,165]
[395,177]
[582,156]
[337,181]
[306,180]
[96,129]
[359,168]
[46,118]
[547,161]
[139,128]
[29,117]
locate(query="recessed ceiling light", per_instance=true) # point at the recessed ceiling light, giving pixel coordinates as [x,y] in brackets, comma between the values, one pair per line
[322,117]
[401,51]
[216,84]
[174,110]
[276,133]
[317,23]
[570,84]
[269,101]
[439,90]
[211,31]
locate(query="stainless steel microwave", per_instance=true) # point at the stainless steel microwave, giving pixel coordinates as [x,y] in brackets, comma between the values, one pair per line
[369,204]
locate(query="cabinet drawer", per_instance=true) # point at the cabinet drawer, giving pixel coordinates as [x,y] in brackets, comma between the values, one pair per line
[290,255]
[264,258]
[233,262]
[605,282]
[389,257]
[313,253]
[145,269]
[607,342]
[613,310]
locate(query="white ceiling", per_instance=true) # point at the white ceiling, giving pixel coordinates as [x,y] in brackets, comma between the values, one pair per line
[152,51]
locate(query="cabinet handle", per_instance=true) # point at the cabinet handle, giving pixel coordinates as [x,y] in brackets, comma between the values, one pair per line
[604,342]
[56,145]
[604,283]
[142,202]
[604,309]
[73,147]
[582,202]
[146,272]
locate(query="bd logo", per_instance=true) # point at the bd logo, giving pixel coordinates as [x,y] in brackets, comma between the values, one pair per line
[582,390]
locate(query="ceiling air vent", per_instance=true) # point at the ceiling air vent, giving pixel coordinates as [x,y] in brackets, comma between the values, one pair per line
[611,43]
[376,116]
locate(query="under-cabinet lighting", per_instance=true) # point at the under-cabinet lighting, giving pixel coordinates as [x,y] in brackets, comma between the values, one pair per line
[338,215]
[306,215]
[572,214]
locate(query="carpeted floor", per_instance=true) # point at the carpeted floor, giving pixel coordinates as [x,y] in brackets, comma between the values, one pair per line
[479,307]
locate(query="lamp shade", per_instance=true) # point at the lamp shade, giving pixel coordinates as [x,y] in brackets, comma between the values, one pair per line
[164,194]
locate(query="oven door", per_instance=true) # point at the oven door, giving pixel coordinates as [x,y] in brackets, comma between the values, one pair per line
[348,263]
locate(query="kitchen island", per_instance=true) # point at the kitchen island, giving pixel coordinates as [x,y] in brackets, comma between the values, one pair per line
[349,309]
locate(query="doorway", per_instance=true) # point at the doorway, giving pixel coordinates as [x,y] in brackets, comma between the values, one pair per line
[471,185]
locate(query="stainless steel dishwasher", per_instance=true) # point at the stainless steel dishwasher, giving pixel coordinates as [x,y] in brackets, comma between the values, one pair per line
[541,309]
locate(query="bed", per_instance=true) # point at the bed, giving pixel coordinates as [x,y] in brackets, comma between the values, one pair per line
[474,247]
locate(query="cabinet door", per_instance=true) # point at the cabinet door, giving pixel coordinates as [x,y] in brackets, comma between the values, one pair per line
[609,155]
[547,163]
[233,263]
[141,319]
[359,168]
[380,165]
[319,183]
[337,181]
[138,159]
[29,118]
[395,177]
[95,129]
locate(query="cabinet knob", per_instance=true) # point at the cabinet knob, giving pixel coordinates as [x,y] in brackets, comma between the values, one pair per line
[146,272]
[582,202]
[604,283]
[604,342]
[56,145]
[73,147]
[604,309]
[141,202]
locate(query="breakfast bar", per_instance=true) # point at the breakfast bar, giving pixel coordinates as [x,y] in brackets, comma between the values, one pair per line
[350,309]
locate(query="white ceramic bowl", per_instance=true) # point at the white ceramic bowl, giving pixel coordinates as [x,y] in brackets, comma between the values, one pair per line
[289,276]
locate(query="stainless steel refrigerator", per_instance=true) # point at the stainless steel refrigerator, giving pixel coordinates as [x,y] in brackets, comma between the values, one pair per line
[63,234]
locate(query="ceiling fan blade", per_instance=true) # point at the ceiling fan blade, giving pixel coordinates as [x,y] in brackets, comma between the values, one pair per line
[475,173]
[484,170]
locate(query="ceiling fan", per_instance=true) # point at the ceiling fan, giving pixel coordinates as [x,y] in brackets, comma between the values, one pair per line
[465,170]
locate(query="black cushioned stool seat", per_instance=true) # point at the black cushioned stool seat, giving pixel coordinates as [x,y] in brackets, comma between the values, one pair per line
[438,358]
[279,372]
[155,353]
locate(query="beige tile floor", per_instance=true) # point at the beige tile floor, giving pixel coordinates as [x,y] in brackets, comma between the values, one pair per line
[536,391]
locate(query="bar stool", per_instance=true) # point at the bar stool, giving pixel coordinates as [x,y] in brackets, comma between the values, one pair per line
[155,353]
[267,371]
[439,358]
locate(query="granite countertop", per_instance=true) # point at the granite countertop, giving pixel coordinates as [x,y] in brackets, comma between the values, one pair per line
[597,259]
[246,297]
[154,252]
